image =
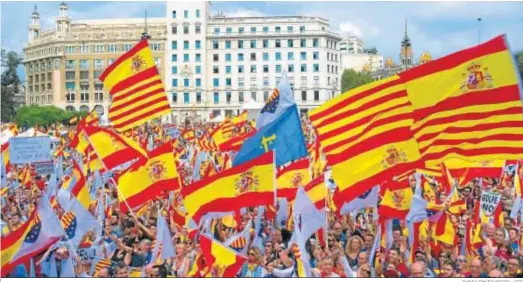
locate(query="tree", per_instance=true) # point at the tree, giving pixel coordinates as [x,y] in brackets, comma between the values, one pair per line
[33,115]
[10,83]
[519,61]
[352,79]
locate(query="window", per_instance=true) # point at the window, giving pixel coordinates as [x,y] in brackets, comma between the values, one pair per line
[304,95]
[69,75]
[278,29]
[253,95]
[197,29]
[175,82]
[290,43]
[198,57]
[84,75]
[185,14]
[253,56]
[227,69]
[290,56]
[174,45]
[290,68]
[216,82]
[84,64]
[110,62]
[315,56]
[215,44]
[315,42]
[265,29]
[240,82]
[303,55]
[265,82]
[302,28]
[111,48]
[99,48]
[228,82]
[253,43]
[216,97]
[215,69]
[240,44]
[174,58]
[57,64]
[289,28]
[185,29]
[265,43]
[278,56]
[316,95]
[240,57]
[186,98]
[303,80]
[240,69]
[174,97]
[70,65]
[265,56]
[265,68]
[303,68]
[303,43]
[278,68]
[197,13]
[278,43]
[253,81]
[227,44]
[227,57]
[185,57]
[174,29]
[155,46]
[228,30]
[174,14]
[253,68]
[215,57]
[240,97]
[98,64]
[69,49]
[253,29]
[186,82]
[316,80]
[241,30]
[198,70]
[198,97]
[174,69]
[216,30]
[84,49]
[98,94]
[316,67]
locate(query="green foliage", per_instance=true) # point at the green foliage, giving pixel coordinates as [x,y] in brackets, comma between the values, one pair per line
[352,79]
[519,62]
[32,115]
[10,83]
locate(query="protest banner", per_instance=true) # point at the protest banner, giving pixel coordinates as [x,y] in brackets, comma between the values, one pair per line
[87,254]
[24,150]
[44,167]
[489,202]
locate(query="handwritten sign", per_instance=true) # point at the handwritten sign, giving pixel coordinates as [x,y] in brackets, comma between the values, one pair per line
[87,254]
[489,202]
[24,150]
[44,167]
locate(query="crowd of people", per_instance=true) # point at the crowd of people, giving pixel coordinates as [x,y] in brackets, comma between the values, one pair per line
[347,247]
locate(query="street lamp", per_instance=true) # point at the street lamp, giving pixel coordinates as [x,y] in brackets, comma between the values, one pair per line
[479,31]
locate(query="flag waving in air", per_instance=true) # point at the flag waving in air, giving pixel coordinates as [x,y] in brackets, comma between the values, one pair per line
[279,101]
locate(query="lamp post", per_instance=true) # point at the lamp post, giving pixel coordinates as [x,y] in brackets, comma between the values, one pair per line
[479,31]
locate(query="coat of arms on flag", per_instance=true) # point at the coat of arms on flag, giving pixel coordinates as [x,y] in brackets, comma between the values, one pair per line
[246,182]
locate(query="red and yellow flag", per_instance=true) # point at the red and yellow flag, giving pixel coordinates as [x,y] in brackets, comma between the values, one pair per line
[91,119]
[5,156]
[247,185]
[396,200]
[289,178]
[112,148]
[12,243]
[466,171]
[223,261]
[137,91]
[317,191]
[143,182]
[468,105]
[80,190]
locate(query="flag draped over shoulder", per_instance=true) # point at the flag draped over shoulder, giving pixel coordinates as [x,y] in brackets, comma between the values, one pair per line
[136,88]
[468,105]
[289,178]
[247,185]
[365,134]
[142,182]
[222,261]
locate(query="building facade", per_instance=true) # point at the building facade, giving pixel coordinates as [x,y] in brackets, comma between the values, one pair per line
[63,64]
[216,63]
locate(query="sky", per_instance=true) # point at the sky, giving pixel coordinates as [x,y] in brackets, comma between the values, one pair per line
[439,28]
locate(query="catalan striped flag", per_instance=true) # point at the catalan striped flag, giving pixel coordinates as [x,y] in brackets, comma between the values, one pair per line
[396,200]
[223,261]
[468,105]
[247,185]
[207,145]
[12,243]
[112,148]
[136,88]
[289,178]
[142,182]
[99,265]
[365,134]
[317,191]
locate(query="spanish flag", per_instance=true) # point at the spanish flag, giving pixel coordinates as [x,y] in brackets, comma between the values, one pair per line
[189,135]
[468,105]
[466,171]
[137,91]
[5,156]
[142,182]
[80,190]
[317,192]
[444,231]
[223,261]
[235,143]
[247,185]
[396,200]
[366,136]
[91,119]
[12,243]
[289,178]
[112,148]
